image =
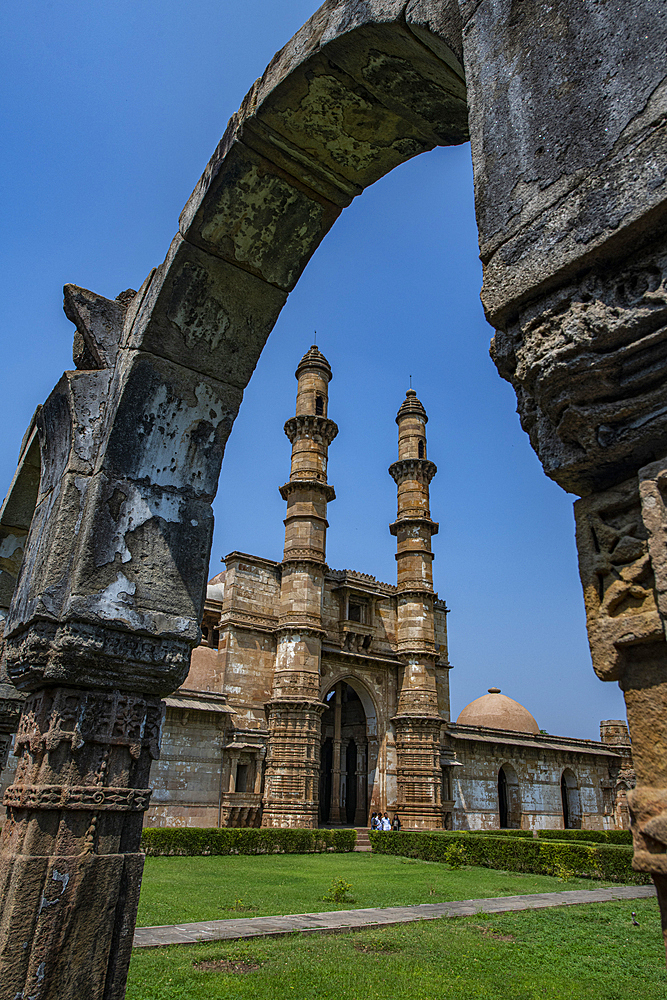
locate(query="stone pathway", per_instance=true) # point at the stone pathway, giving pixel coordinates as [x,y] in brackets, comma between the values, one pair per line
[350,920]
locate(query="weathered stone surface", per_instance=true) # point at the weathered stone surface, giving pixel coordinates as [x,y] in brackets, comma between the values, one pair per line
[568,137]
[98,322]
[203,313]
[588,366]
[567,111]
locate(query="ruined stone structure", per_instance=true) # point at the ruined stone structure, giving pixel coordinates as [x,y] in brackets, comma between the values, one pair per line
[565,108]
[376,735]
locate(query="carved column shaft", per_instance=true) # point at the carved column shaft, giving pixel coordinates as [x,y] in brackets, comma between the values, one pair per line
[71,841]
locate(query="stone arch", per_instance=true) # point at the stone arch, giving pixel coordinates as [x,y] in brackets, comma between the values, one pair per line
[347,764]
[365,696]
[509,798]
[570,800]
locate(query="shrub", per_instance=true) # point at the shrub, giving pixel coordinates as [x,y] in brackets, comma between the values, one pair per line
[517,854]
[456,855]
[338,891]
[189,841]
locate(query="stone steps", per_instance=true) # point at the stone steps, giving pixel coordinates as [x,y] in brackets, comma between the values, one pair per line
[363,841]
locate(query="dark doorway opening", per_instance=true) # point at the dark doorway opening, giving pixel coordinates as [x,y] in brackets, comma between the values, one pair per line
[502,798]
[344,759]
[566,808]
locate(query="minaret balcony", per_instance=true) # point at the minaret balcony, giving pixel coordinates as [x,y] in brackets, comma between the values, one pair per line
[421,521]
[309,425]
[319,486]
[420,470]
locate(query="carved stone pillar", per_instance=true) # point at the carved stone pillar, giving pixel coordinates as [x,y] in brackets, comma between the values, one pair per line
[335,807]
[361,814]
[70,869]
[588,363]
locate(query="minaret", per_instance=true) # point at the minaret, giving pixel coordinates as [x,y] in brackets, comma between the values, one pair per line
[294,711]
[417,720]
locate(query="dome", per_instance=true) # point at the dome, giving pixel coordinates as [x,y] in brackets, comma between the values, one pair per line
[496,711]
[215,588]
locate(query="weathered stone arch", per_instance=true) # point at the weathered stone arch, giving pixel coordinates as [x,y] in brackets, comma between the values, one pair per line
[573,237]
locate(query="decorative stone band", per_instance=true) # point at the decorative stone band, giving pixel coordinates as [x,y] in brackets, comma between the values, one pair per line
[421,470]
[417,587]
[648,809]
[54,716]
[100,657]
[309,485]
[302,624]
[414,517]
[307,425]
[306,556]
[77,797]
[240,619]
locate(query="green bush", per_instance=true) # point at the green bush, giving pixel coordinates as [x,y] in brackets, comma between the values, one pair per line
[188,841]
[618,837]
[517,854]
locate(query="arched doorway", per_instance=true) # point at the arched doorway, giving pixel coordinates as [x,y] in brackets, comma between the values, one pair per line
[344,756]
[570,799]
[509,799]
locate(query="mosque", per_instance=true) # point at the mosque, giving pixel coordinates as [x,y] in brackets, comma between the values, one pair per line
[318,696]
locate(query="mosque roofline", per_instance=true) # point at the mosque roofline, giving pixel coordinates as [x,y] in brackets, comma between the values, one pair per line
[544,741]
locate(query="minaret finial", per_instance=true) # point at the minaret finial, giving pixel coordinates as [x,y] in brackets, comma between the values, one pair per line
[411,381]
[315,340]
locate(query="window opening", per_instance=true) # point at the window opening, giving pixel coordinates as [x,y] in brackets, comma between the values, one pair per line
[421,449]
[215,638]
[355,612]
[242,778]
[319,405]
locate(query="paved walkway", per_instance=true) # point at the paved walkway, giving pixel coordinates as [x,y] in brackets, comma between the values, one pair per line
[350,920]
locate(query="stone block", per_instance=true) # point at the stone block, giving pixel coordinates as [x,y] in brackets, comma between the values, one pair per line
[205,314]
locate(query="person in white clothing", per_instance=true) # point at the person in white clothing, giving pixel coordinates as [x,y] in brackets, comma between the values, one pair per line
[386,824]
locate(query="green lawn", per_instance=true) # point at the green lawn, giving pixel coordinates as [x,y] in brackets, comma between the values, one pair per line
[572,953]
[179,890]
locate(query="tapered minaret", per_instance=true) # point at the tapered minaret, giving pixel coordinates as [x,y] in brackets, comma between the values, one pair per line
[294,711]
[417,720]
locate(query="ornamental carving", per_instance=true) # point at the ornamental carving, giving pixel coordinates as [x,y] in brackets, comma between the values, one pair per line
[420,470]
[79,797]
[617,572]
[307,425]
[94,655]
[65,715]
[308,484]
[589,363]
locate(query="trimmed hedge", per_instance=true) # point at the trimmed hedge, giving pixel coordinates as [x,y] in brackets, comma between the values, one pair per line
[619,837]
[515,854]
[189,841]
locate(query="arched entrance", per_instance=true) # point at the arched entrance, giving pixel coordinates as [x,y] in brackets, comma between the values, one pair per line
[509,799]
[571,802]
[344,759]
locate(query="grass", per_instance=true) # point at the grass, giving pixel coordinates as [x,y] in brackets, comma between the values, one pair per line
[180,890]
[573,953]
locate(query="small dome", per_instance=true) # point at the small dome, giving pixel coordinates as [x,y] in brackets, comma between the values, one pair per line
[215,588]
[496,711]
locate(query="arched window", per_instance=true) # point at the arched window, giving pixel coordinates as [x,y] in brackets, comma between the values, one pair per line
[319,405]
[422,449]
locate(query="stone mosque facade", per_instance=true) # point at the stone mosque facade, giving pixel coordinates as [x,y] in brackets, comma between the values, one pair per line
[318,696]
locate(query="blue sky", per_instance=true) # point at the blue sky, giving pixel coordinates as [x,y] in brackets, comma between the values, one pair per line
[111,112]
